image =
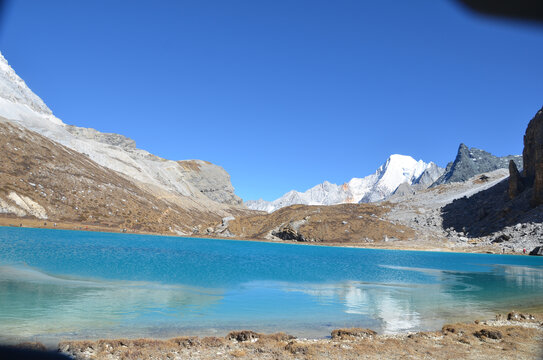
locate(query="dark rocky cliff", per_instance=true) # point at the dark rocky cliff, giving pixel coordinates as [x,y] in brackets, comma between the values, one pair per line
[532,155]
[509,212]
[471,161]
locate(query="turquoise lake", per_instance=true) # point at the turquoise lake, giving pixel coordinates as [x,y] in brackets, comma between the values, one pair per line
[59,284]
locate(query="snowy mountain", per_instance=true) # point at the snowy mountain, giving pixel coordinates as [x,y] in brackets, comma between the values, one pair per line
[192,178]
[398,169]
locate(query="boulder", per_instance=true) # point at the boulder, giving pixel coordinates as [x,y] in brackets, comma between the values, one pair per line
[537,251]
[489,334]
[342,334]
[243,335]
[501,238]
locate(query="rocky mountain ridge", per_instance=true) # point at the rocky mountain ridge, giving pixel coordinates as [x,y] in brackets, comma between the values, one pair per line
[116,152]
[472,161]
[399,175]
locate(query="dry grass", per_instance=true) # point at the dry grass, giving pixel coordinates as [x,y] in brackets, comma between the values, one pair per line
[500,339]
[75,190]
[345,223]
[189,165]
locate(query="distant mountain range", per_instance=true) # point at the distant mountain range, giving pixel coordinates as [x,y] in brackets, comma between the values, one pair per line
[399,175]
[396,170]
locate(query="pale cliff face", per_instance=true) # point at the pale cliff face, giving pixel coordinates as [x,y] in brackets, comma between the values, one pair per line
[117,152]
[212,180]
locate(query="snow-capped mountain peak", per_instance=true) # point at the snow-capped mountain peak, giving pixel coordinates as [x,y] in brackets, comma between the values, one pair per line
[400,168]
[396,170]
[17,101]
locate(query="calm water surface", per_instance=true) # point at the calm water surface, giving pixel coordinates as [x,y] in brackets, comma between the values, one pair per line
[57,284]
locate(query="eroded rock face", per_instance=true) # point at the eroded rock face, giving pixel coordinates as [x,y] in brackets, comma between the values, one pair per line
[212,180]
[516,185]
[105,138]
[533,157]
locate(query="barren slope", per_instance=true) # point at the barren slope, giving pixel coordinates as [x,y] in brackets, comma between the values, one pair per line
[345,223]
[42,179]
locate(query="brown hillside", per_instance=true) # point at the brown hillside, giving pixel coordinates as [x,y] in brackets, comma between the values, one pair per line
[345,223]
[40,178]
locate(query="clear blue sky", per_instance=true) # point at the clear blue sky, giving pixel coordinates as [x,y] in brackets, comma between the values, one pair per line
[283,94]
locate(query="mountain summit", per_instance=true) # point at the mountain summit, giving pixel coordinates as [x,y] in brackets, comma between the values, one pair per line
[396,170]
[472,161]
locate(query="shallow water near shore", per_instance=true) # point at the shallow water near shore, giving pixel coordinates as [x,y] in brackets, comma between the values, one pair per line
[59,284]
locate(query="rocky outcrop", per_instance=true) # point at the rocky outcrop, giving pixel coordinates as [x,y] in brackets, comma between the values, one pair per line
[403,190]
[538,251]
[516,185]
[533,157]
[471,161]
[428,176]
[288,232]
[105,138]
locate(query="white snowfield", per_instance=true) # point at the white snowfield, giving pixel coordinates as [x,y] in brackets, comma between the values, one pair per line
[20,105]
[396,170]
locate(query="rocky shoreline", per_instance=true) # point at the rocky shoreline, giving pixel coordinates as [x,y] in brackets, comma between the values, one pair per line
[512,336]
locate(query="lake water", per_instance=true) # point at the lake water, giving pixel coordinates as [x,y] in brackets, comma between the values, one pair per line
[58,284]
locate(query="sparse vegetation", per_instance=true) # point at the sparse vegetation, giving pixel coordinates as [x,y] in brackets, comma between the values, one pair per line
[75,190]
[500,338]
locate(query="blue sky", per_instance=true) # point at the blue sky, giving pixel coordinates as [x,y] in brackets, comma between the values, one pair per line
[282,94]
